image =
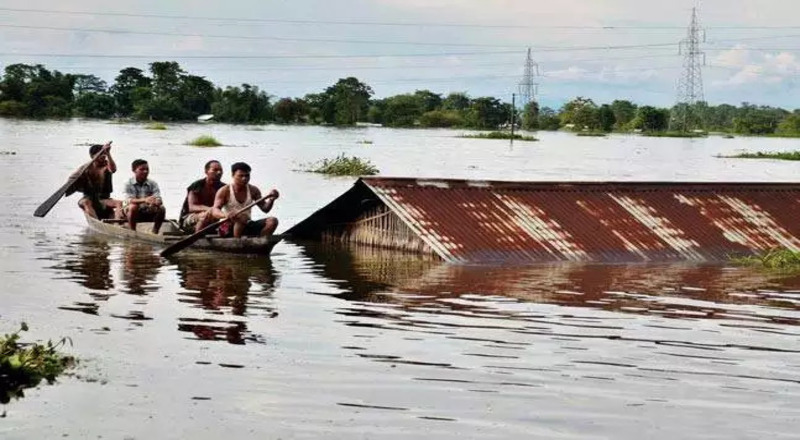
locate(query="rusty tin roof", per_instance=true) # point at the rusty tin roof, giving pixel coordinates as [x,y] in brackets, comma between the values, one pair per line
[466,221]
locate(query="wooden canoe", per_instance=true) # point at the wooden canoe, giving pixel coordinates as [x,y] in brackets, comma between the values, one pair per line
[170,233]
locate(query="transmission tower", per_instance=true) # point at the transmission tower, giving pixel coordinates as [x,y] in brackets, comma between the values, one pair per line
[527,87]
[690,84]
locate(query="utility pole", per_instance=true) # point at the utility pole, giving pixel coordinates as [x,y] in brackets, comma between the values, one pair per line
[527,87]
[690,84]
[513,111]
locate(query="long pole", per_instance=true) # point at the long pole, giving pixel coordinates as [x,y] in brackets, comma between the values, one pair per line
[513,110]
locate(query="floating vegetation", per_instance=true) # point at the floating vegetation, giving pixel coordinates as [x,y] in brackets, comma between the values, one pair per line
[343,166]
[8,153]
[674,134]
[591,134]
[255,129]
[365,141]
[26,365]
[782,155]
[155,126]
[777,259]
[499,135]
[727,136]
[205,141]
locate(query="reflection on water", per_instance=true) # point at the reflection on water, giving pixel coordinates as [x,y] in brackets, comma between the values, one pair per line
[222,285]
[227,289]
[668,290]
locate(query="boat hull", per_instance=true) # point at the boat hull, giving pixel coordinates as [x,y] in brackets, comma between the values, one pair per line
[170,234]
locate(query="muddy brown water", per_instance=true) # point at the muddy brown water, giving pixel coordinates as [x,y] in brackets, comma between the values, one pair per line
[318,342]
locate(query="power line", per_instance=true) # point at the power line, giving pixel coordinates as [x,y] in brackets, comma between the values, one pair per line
[378,23]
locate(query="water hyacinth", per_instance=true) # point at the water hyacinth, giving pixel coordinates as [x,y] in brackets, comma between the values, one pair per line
[26,365]
[343,166]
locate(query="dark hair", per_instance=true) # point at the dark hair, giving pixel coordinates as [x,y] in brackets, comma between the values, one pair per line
[208,164]
[135,164]
[240,166]
[94,149]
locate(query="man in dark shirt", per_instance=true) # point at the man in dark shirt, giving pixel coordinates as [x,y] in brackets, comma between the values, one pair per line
[196,211]
[96,185]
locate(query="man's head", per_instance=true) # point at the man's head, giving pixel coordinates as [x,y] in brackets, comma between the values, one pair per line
[93,150]
[240,173]
[140,169]
[213,170]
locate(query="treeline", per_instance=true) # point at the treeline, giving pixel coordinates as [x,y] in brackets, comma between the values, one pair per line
[583,114]
[168,93]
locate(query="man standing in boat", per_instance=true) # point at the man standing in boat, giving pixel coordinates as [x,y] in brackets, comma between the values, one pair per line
[96,185]
[143,198]
[199,201]
[235,196]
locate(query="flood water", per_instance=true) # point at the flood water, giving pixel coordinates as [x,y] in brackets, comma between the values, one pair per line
[318,342]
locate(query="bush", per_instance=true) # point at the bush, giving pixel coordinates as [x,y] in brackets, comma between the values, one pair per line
[774,259]
[441,119]
[26,365]
[784,155]
[155,126]
[205,141]
[500,135]
[343,166]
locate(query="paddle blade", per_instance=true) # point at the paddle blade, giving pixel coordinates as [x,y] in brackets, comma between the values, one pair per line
[48,204]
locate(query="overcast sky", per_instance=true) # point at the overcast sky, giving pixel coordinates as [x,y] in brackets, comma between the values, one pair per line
[294,47]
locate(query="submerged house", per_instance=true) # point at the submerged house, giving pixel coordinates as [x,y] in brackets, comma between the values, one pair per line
[494,222]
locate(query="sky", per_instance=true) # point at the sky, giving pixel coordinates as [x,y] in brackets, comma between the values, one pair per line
[600,49]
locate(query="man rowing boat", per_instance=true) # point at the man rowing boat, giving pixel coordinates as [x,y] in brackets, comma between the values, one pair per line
[199,201]
[96,185]
[238,194]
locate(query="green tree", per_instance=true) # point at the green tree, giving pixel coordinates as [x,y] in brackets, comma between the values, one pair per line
[605,116]
[428,101]
[401,111]
[624,112]
[651,119]
[131,88]
[441,119]
[456,101]
[487,113]
[581,113]
[348,101]
[548,119]
[530,116]
[246,105]
[790,125]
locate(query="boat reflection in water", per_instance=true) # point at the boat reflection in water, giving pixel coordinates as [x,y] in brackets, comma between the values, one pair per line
[667,290]
[232,289]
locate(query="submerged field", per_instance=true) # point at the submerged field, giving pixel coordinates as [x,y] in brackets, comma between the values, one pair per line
[319,342]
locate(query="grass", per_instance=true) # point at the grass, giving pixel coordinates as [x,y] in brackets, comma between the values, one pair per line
[499,135]
[592,134]
[782,155]
[26,365]
[343,166]
[205,141]
[673,134]
[777,259]
[155,126]
[365,142]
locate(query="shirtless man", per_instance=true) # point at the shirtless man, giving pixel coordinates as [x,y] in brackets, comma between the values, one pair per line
[196,210]
[236,195]
[96,185]
[143,198]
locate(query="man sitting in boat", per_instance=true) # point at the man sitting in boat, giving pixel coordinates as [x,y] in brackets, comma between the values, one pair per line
[199,201]
[233,197]
[143,198]
[96,185]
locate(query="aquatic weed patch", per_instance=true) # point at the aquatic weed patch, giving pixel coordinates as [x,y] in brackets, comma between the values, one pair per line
[343,166]
[777,259]
[155,126]
[25,365]
[499,135]
[205,141]
[782,155]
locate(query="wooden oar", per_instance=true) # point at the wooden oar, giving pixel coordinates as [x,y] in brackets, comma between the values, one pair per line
[186,242]
[48,204]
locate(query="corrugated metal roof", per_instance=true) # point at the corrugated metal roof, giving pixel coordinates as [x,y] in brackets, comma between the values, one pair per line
[522,222]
